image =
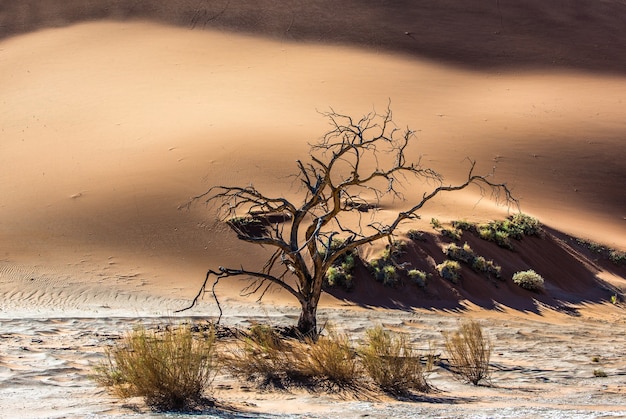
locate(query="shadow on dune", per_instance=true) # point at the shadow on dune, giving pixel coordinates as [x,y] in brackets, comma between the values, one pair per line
[570,278]
[494,34]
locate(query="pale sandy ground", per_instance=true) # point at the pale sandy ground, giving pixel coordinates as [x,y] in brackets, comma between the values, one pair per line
[107,127]
[543,366]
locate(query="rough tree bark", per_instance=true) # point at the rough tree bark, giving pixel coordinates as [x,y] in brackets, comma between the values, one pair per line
[354,163]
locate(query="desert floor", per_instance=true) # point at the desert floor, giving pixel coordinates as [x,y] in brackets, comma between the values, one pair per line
[114,114]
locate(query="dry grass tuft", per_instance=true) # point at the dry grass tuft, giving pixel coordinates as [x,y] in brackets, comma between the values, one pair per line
[262,355]
[391,363]
[332,358]
[170,369]
[469,351]
[273,360]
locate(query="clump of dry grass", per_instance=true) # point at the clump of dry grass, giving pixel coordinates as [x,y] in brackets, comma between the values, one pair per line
[391,363]
[266,356]
[262,355]
[469,351]
[332,358]
[170,369]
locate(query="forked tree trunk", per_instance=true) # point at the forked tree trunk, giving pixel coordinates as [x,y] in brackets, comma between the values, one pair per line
[307,323]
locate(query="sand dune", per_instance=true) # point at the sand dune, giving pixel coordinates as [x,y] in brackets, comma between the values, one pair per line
[109,125]
[104,139]
[561,34]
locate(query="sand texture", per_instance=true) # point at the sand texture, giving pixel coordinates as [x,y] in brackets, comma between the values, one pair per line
[114,113]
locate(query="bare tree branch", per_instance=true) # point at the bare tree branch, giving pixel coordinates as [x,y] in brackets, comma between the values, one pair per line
[351,159]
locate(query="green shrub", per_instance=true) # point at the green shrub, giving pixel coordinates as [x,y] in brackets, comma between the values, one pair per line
[485,232]
[466,255]
[434,222]
[600,373]
[516,227]
[469,351]
[348,262]
[480,264]
[528,225]
[418,277]
[450,270]
[394,250]
[617,257]
[334,245]
[492,232]
[384,269]
[529,280]
[452,233]
[391,363]
[463,225]
[340,274]
[461,253]
[415,235]
[337,276]
[169,369]
[390,276]
[502,239]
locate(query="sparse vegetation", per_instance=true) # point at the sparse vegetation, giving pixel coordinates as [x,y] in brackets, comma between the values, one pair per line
[491,233]
[526,225]
[415,235]
[617,257]
[450,270]
[391,363]
[390,276]
[394,250]
[594,247]
[170,369]
[461,253]
[600,373]
[466,255]
[419,278]
[463,225]
[340,273]
[469,351]
[529,280]
[452,233]
[385,269]
[514,227]
[480,264]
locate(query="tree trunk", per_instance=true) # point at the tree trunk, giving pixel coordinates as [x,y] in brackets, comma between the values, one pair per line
[307,323]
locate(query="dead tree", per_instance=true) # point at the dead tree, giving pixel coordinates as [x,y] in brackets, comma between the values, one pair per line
[352,167]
